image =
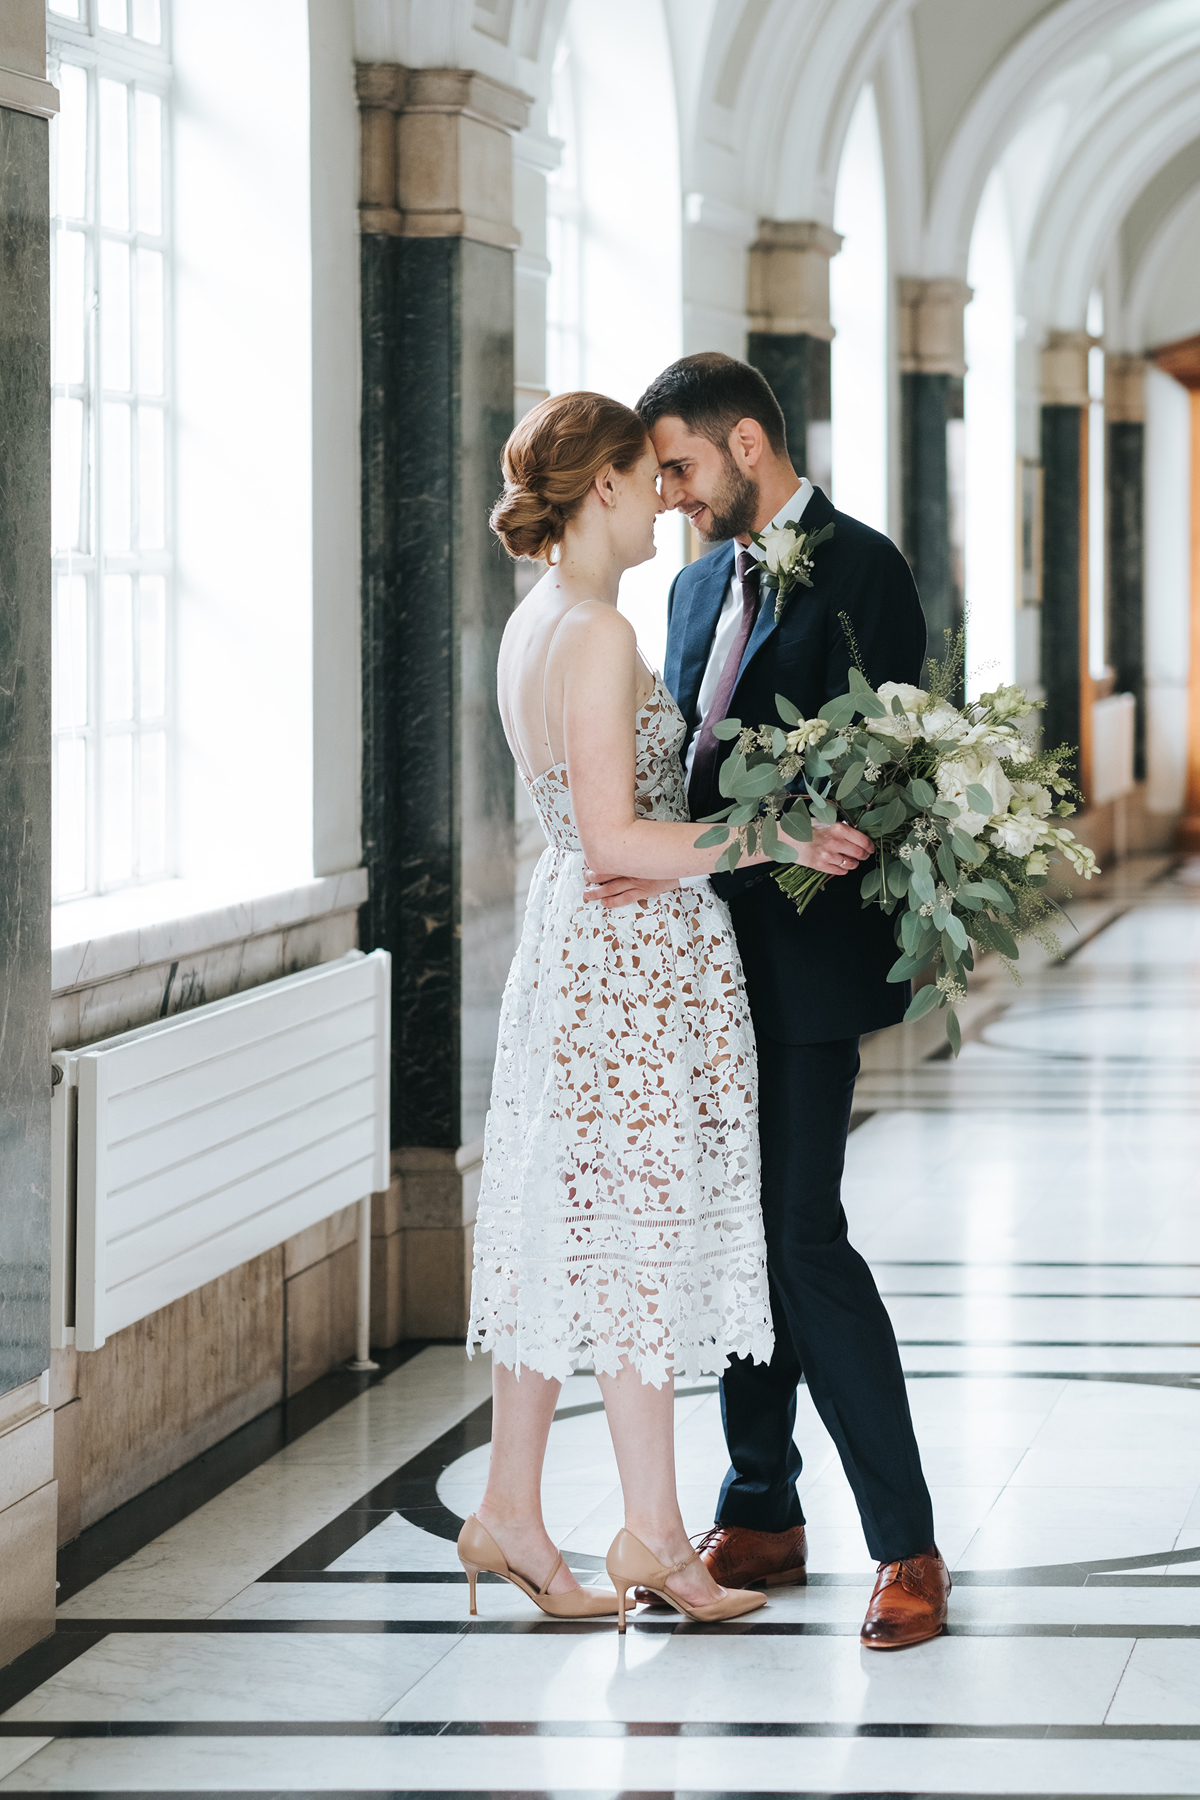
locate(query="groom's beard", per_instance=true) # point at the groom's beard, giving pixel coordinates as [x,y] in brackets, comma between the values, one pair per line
[734,507]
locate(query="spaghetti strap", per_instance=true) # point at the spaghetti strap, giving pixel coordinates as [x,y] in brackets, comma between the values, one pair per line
[654,679]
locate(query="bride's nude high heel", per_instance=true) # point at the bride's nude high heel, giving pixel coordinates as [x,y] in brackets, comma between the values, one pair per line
[478,1551]
[630,1564]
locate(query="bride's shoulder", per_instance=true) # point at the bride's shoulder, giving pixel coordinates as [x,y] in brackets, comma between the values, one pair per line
[594,626]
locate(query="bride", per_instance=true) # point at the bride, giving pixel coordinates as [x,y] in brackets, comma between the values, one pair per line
[619,1221]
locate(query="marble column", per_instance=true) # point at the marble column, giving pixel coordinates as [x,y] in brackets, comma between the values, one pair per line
[1125,413]
[1067,715]
[28,1494]
[932,366]
[1181,360]
[438,375]
[790,332]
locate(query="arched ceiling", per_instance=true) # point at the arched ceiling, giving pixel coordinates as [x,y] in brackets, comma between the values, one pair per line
[1093,106]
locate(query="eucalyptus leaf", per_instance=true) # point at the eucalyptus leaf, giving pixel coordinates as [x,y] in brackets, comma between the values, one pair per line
[947,865]
[822,810]
[953,1030]
[950,950]
[923,1001]
[729,773]
[894,815]
[778,743]
[716,835]
[922,886]
[898,876]
[919,861]
[965,848]
[905,967]
[839,712]
[850,779]
[760,780]
[742,815]
[797,823]
[954,927]
[923,794]
[980,801]
[871,885]
[945,809]
[787,711]
[992,891]
[727,729]
[940,915]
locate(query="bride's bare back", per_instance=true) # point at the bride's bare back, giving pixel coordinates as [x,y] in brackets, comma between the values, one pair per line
[535,664]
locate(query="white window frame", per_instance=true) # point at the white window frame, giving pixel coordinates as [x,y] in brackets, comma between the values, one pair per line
[127,59]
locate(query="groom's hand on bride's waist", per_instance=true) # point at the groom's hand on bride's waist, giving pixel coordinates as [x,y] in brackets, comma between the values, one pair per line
[622,890]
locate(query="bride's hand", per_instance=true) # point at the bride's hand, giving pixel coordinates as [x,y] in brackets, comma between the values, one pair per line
[623,890]
[835,849]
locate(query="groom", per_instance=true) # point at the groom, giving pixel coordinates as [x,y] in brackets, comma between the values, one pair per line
[814,983]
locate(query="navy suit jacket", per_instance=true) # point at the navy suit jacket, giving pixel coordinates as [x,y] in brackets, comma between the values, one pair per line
[822,976]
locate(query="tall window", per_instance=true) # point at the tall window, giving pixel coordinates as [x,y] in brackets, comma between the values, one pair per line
[989,325]
[111,445]
[858,302]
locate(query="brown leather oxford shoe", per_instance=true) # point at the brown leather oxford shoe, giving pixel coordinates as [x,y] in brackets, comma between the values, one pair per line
[739,1558]
[909,1602]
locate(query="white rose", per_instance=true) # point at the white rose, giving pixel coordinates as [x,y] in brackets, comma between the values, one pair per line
[778,545]
[1018,833]
[943,721]
[1034,796]
[971,768]
[911,698]
[901,726]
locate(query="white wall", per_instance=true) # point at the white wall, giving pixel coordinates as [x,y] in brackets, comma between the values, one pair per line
[243,476]
[1167,588]
[336,473]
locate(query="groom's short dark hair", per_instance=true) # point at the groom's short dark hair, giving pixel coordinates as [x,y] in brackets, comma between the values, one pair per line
[710,392]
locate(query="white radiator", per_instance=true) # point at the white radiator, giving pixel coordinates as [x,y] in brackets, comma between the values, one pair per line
[1112,747]
[187,1147]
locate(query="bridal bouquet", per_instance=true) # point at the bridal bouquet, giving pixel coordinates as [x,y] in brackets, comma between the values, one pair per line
[962,809]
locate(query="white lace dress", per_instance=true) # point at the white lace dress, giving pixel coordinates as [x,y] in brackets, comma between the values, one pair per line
[619,1208]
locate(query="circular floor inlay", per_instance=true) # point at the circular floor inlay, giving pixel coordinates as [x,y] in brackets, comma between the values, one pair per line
[1025,1473]
[1100,1033]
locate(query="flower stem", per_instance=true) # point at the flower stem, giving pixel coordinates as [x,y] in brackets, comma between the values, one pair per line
[801,885]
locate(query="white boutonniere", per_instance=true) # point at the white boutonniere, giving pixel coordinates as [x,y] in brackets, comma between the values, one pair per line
[785,553]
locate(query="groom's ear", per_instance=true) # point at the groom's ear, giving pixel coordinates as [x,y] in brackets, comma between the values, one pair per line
[747,444]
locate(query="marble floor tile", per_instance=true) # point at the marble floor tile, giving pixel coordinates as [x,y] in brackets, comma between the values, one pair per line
[15,1751]
[631,1765]
[200,1563]
[176,1675]
[395,1544]
[1160,1686]
[702,1677]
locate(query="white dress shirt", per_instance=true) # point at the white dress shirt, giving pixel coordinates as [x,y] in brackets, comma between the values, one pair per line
[731,619]
[728,625]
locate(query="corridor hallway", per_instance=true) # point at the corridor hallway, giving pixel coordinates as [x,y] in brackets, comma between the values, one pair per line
[1030,1216]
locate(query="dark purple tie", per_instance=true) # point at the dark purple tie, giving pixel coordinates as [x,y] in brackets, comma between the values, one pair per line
[703,792]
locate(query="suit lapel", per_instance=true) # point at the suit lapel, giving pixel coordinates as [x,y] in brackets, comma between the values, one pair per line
[818,512]
[691,634]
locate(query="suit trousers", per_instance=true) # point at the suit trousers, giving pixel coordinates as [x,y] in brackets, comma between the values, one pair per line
[831,1328]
